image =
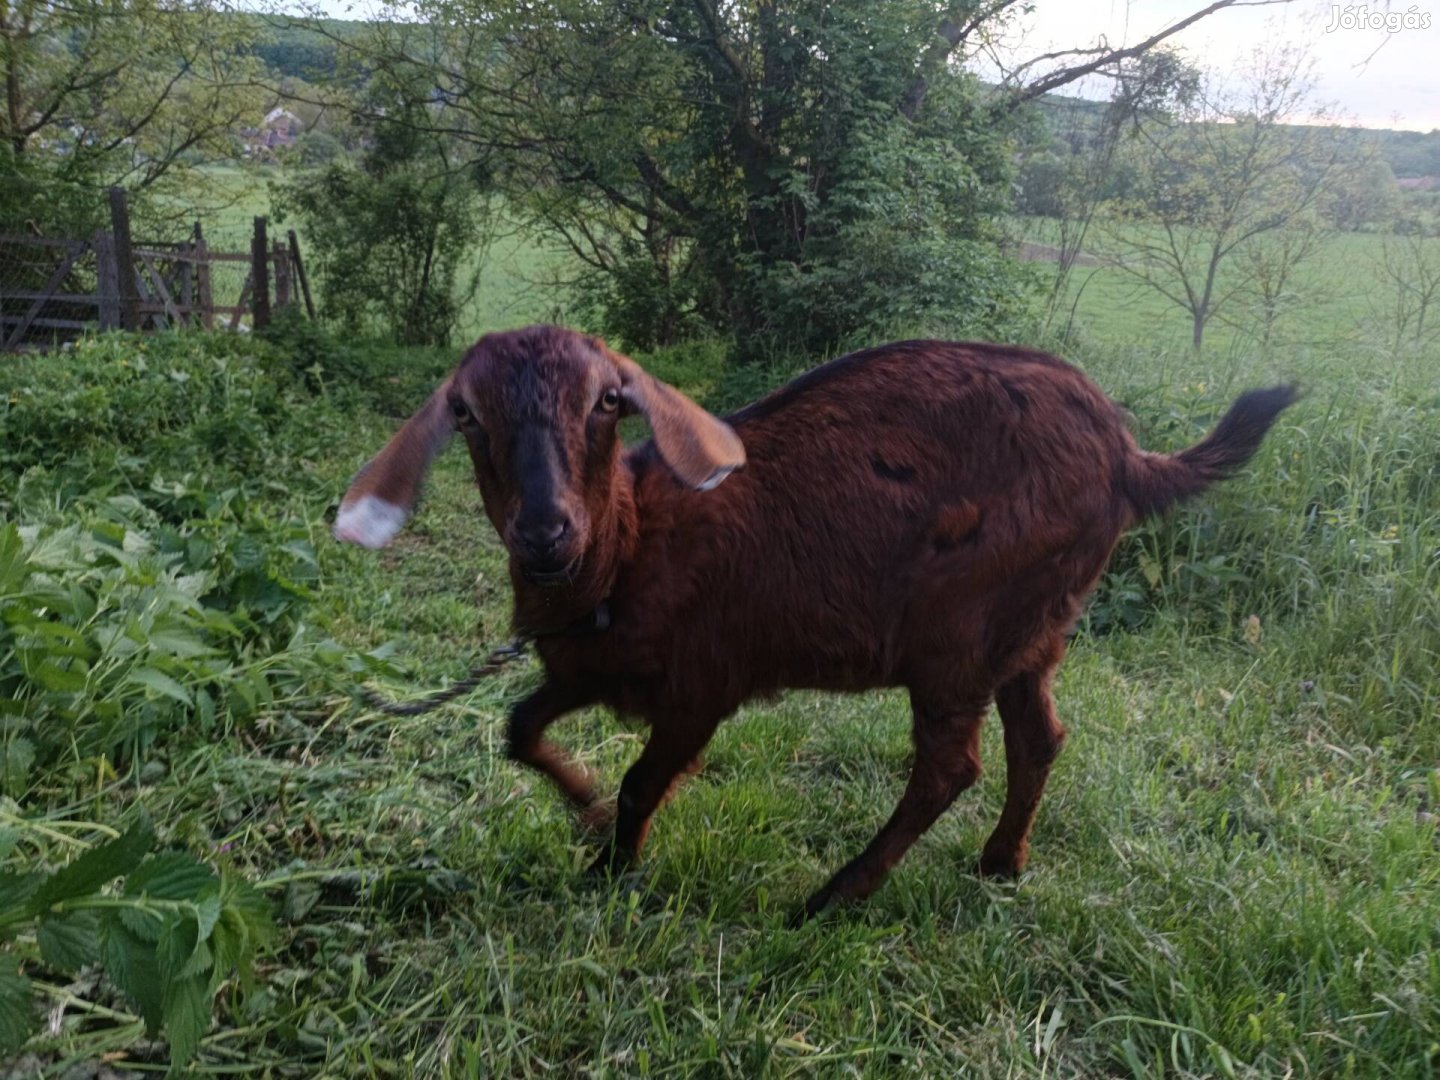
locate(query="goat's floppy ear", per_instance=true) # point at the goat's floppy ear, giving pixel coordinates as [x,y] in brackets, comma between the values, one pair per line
[384,492]
[700,449]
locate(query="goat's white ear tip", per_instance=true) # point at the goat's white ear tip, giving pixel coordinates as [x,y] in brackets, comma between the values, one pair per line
[369,521]
[715,479]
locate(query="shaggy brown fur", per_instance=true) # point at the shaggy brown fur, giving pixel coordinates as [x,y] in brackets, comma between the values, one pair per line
[926,514]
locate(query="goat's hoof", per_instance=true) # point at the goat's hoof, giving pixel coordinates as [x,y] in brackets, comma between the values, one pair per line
[1000,867]
[813,907]
[598,817]
[602,867]
[610,863]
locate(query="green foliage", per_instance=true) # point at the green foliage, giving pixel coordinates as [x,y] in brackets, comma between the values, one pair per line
[1411,153]
[155,585]
[391,229]
[903,240]
[302,51]
[167,940]
[1271,775]
[136,94]
[318,148]
[137,403]
[114,638]
[1043,185]
[795,176]
[310,353]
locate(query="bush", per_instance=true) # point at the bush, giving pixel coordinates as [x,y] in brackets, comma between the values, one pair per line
[117,410]
[156,578]
[391,229]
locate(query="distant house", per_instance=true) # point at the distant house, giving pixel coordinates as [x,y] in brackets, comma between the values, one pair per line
[278,130]
[1418,183]
[283,120]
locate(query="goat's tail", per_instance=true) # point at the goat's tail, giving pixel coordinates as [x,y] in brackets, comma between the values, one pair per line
[1154,482]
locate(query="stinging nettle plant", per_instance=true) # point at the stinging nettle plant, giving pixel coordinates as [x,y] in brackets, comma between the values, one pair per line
[167,939]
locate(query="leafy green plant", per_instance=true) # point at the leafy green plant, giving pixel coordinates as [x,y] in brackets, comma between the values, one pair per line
[121,408]
[111,635]
[167,939]
[390,229]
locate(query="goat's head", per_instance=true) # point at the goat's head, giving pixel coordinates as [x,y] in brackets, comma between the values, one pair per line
[538,409]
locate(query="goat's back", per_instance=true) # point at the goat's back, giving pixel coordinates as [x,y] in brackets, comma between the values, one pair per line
[923,505]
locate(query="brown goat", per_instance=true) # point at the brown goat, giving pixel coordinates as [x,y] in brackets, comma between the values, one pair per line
[926,514]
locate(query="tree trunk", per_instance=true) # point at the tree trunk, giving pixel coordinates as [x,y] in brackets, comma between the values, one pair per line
[14,107]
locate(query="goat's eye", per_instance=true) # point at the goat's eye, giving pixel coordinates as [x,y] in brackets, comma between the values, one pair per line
[609,401]
[462,414]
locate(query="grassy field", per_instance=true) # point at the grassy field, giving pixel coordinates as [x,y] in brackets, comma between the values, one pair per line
[1338,302]
[1235,871]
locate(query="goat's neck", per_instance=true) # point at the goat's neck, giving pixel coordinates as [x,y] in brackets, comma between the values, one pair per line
[543,609]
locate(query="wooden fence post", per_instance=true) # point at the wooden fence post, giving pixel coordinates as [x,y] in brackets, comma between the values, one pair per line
[125,276]
[281,257]
[107,280]
[187,281]
[204,298]
[259,277]
[300,273]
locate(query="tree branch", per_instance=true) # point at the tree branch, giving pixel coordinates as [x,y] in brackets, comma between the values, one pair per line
[1066,75]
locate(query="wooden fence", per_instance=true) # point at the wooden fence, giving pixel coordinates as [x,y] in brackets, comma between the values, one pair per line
[51,290]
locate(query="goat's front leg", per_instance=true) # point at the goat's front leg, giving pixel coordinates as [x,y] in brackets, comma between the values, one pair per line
[671,751]
[528,745]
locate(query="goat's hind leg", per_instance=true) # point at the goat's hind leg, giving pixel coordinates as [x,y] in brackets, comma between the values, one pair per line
[1033,737]
[947,761]
[671,752]
[528,746]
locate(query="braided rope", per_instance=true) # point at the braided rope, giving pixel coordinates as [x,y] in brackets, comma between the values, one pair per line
[501,657]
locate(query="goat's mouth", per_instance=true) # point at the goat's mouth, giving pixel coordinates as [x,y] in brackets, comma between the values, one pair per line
[550,576]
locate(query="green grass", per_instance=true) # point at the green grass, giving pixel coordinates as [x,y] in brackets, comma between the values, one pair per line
[514,273]
[1235,871]
[1224,872]
[1338,302]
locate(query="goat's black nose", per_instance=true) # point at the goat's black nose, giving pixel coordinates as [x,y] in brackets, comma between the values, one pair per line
[541,534]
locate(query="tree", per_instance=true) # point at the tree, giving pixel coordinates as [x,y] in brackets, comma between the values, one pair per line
[795,171]
[129,92]
[1225,176]
[1071,188]
[1272,260]
[390,231]
[1409,267]
[1369,196]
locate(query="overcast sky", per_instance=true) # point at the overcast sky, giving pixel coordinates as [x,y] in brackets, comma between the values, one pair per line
[1398,87]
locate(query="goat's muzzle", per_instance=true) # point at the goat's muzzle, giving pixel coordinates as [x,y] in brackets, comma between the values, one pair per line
[552,578]
[545,545]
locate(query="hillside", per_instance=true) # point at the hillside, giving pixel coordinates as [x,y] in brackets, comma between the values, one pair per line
[1410,154]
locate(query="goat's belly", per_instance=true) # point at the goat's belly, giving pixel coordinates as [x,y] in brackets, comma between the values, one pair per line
[845,678]
[847,657]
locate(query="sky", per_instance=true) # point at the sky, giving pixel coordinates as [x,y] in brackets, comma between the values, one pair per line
[1399,86]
